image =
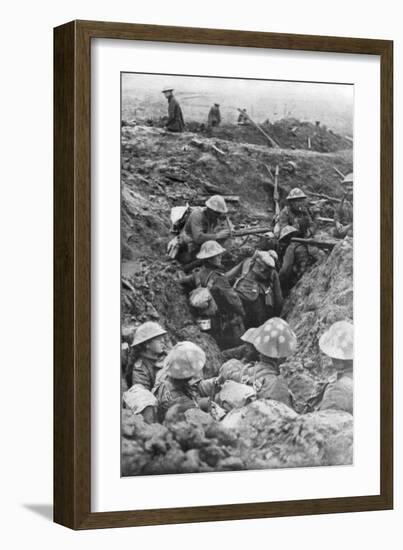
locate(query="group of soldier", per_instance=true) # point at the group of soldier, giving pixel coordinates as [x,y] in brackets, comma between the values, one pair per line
[161,383]
[175,121]
[240,307]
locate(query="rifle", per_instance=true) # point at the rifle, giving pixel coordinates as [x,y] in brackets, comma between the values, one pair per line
[326,245]
[325,220]
[250,231]
[276,195]
[322,196]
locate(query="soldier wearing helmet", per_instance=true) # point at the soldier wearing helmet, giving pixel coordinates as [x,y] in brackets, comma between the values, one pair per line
[148,349]
[343,216]
[214,116]
[257,282]
[297,214]
[182,382]
[273,341]
[204,224]
[226,319]
[297,258]
[338,343]
[175,122]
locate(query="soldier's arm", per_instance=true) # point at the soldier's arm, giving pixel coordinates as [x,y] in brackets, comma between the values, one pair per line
[230,296]
[234,272]
[140,376]
[199,236]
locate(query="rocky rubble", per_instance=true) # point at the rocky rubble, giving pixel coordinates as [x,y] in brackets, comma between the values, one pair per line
[263,434]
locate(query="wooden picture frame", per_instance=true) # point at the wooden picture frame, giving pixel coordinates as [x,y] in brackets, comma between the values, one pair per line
[72,271]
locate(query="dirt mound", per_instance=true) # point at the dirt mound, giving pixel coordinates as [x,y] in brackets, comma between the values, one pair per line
[264,434]
[161,170]
[273,436]
[178,446]
[288,133]
[323,296]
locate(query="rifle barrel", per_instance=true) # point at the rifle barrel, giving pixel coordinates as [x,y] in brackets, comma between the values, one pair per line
[314,242]
[251,231]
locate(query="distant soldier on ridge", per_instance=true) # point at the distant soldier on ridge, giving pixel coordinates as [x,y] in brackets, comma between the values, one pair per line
[175,122]
[214,116]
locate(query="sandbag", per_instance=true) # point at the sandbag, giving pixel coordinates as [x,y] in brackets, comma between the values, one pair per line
[200,298]
[235,395]
[137,398]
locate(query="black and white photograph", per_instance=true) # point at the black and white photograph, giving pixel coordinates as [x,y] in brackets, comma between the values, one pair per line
[237,341]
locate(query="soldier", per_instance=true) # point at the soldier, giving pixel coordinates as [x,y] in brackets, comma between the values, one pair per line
[183,384]
[223,307]
[214,116]
[175,122]
[297,258]
[149,347]
[297,214]
[338,343]
[257,283]
[202,225]
[343,216]
[274,341]
[242,118]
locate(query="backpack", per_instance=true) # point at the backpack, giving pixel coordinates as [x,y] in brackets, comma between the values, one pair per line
[201,298]
[179,216]
[248,289]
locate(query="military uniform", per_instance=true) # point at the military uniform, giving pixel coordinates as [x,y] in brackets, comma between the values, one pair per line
[268,382]
[199,228]
[175,122]
[261,299]
[214,116]
[171,391]
[301,220]
[297,259]
[226,298]
[339,394]
[144,371]
[343,219]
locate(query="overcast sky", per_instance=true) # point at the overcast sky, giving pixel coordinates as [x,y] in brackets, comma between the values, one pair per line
[330,103]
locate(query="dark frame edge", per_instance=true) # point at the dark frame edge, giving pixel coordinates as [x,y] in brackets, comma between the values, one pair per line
[64,387]
[72,218]
[72,470]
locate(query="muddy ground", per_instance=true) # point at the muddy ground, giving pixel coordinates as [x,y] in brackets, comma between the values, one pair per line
[161,170]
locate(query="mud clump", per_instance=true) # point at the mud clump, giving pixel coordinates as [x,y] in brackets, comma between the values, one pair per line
[272,435]
[181,445]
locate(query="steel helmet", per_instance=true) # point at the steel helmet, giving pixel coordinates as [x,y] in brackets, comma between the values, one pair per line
[167,89]
[275,338]
[273,254]
[296,193]
[217,203]
[266,258]
[185,360]
[349,178]
[209,249]
[287,230]
[338,341]
[249,335]
[147,331]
